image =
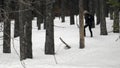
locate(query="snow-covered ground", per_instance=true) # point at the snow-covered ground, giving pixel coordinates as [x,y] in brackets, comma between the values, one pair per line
[99,52]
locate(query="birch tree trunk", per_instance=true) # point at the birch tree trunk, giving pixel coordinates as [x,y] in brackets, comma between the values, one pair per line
[81,22]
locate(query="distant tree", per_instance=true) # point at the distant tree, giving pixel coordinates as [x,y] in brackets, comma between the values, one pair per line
[38,9]
[103,28]
[97,5]
[49,43]
[106,8]
[16,30]
[63,10]
[116,5]
[1,7]
[16,17]
[116,21]
[1,3]
[44,13]
[86,5]
[72,21]
[81,22]
[111,10]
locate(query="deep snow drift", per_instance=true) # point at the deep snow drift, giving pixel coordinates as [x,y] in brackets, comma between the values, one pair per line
[99,52]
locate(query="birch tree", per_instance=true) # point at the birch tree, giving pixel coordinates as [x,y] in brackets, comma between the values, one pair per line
[81,22]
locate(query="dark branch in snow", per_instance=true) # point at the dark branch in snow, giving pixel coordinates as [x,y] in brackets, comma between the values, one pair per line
[67,46]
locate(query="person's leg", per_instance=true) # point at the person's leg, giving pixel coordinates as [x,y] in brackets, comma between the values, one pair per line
[90,29]
[84,30]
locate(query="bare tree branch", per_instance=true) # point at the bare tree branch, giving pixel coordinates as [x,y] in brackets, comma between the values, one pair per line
[67,46]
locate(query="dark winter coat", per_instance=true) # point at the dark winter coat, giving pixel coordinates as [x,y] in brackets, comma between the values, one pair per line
[89,19]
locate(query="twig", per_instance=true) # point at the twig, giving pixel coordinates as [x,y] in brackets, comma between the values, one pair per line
[67,46]
[55,59]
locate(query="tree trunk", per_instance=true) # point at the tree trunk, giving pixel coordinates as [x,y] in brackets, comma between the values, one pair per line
[86,5]
[63,10]
[81,22]
[22,35]
[39,21]
[16,30]
[7,37]
[116,21]
[29,39]
[97,12]
[7,30]
[103,29]
[49,43]
[25,24]
[72,21]
[44,13]
[1,7]
[111,13]
[39,12]
[106,9]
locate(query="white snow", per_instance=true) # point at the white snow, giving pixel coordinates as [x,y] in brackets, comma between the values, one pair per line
[99,52]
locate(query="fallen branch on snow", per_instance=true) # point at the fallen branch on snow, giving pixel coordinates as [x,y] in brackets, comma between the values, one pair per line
[67,46]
